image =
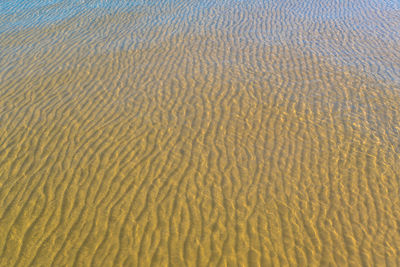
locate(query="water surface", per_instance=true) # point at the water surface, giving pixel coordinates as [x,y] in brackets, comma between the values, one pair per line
[200,133]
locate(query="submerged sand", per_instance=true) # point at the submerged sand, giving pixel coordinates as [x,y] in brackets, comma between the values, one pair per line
[200,133]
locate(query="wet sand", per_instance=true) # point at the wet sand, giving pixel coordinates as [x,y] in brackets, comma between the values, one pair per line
[200,133]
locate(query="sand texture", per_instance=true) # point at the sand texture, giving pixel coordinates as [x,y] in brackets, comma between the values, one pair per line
[200,133]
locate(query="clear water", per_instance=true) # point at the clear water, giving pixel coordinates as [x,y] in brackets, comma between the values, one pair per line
[230,133]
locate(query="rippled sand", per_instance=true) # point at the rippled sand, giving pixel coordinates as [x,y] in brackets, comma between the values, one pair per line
[200,133]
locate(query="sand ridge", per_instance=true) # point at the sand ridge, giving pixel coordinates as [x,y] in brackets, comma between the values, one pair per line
[199,133]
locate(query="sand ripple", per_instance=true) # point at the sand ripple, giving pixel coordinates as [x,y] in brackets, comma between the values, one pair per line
[199,133]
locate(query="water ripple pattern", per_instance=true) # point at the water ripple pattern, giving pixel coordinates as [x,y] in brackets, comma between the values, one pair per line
[200,133]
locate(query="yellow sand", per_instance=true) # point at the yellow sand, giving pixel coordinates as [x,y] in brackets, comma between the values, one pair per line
[200,133]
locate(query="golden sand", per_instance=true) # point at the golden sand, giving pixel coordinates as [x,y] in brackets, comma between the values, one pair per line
[200,133]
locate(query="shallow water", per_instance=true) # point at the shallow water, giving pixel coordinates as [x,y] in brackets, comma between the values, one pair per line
[218,133]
